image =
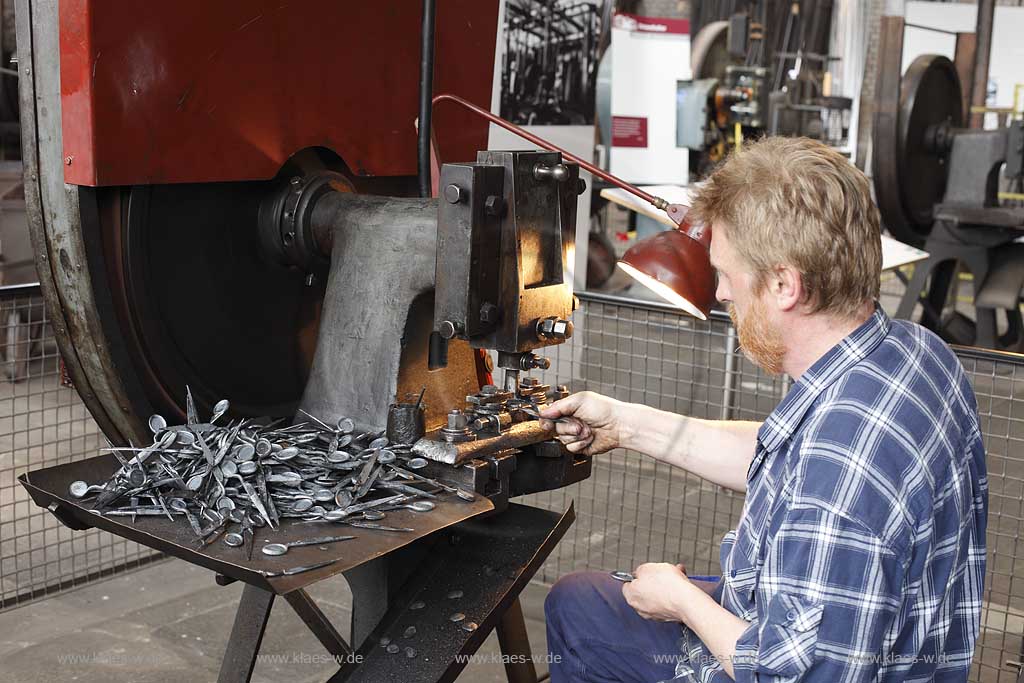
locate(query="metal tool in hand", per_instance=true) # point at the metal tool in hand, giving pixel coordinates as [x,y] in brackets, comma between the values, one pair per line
[624,577]
[532,412]
[275,549]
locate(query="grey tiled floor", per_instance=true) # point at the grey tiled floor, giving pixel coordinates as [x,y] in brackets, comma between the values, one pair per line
[170,622]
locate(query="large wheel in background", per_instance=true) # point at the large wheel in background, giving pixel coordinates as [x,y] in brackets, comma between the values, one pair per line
[194,301]
[709,51]
[909,173]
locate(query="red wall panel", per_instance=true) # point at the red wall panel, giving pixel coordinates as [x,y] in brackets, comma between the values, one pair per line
[212,90]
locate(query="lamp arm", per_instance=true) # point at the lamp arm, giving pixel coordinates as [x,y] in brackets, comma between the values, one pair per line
[657,202]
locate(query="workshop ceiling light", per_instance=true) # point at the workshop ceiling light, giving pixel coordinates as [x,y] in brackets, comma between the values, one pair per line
[676,265]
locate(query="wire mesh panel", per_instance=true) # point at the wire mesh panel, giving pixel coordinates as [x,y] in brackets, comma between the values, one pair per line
[634,510]
[43,423]
[998,381]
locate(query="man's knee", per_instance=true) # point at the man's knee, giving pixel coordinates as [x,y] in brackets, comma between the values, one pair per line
[572,592]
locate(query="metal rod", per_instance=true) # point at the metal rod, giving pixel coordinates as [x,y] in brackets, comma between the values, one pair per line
[658,202]
[982,50]
[963,60]
[426,92]
[931,28]
[783,55]
[728,393]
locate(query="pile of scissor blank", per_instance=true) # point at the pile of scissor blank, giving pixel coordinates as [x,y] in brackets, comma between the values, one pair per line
[227,480]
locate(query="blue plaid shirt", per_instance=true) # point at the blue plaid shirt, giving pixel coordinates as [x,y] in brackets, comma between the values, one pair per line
[860,553]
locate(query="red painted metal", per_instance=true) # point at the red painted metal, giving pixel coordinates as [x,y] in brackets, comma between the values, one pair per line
[199,91]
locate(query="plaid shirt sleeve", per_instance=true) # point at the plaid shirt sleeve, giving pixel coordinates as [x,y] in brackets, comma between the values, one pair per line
[829,591]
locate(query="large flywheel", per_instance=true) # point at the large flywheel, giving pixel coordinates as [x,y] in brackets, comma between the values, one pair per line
[186,297]
[709,51]
[909,159]
[202,305]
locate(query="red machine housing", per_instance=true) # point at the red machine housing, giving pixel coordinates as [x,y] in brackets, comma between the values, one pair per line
[200,91]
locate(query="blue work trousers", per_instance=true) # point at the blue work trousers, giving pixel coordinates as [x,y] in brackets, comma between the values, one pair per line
[594,636]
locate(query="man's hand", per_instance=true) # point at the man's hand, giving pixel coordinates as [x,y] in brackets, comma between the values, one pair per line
[591,423]
[658,591]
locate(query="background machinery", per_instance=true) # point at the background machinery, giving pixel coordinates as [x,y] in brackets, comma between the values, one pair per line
[937,185]
[759,67]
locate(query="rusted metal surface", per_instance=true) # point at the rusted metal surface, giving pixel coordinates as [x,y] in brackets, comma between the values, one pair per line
[518,435]
[193,91]
[36,223]
[54,225]
[909,170]
[982,52]
[963,58]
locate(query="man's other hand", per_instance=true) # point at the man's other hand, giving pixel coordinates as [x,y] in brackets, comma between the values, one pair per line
[590,423]
[657,591]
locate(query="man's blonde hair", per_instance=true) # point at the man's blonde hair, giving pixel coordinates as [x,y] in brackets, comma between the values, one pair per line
[797,202]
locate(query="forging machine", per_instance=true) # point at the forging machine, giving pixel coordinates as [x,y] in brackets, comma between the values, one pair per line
[937,184]
[223,201]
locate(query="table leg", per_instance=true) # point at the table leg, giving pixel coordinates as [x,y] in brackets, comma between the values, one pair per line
[246,635]
[515,645]
[318,623]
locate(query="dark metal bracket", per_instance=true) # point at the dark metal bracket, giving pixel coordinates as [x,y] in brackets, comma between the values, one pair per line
[488,560]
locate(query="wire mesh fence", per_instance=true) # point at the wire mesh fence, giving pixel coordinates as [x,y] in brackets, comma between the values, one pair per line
[631,510]
[43,423]
[634,510]
[998,381]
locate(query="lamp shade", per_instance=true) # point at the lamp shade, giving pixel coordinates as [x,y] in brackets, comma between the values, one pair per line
[676,265]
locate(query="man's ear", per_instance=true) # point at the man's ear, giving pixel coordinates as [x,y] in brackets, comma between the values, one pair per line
[786,285]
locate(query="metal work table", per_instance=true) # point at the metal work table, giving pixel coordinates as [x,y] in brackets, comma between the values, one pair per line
[457,547]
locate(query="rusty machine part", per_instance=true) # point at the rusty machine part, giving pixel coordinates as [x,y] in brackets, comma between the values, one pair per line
[910,177]
[937,188]
[218,200]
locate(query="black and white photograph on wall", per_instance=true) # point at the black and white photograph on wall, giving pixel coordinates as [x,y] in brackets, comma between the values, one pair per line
[551,53]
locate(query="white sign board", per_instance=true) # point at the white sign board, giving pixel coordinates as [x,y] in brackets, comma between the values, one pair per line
[650,55]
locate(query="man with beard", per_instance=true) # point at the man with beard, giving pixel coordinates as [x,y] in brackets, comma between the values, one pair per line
[860,552]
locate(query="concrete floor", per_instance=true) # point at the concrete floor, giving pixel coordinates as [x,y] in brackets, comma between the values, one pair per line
[170,622]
